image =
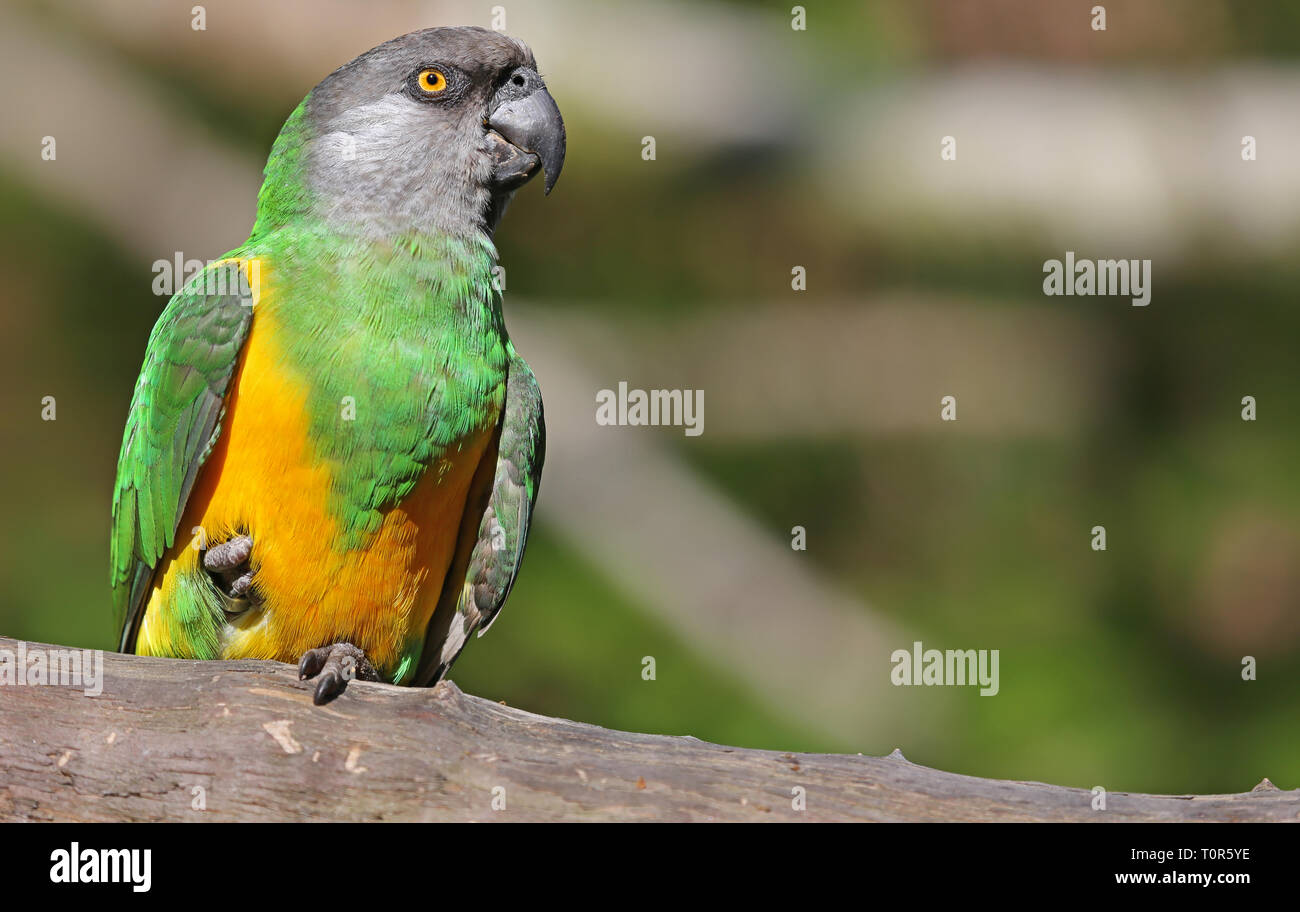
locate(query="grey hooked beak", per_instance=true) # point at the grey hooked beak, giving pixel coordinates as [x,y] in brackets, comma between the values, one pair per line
[527,117]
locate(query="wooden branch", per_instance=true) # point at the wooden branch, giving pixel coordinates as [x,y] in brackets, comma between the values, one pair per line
[175,740]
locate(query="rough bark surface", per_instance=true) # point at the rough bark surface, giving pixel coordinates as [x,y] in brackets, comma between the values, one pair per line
[171,740]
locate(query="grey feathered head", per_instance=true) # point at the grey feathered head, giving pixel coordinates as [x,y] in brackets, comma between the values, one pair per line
[432,131]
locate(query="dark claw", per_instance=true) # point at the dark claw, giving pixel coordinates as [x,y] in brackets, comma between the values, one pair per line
[328,687]
[310,663]
[336,665]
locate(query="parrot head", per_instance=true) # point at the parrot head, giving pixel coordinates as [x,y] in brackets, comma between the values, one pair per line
[432,131]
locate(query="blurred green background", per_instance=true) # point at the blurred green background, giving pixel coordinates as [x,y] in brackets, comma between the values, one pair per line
[775,147]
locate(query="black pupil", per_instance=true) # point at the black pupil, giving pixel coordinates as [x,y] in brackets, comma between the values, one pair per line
[518,80]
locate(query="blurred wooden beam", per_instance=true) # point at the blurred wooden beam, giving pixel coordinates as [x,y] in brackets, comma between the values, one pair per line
[1108,162]
[872,366]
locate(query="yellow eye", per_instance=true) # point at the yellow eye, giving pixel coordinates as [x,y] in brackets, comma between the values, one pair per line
[432,81]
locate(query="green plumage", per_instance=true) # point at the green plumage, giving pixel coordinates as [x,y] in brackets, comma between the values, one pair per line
[409,333]
[175,414]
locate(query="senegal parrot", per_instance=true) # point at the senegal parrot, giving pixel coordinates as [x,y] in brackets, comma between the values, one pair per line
[333,450]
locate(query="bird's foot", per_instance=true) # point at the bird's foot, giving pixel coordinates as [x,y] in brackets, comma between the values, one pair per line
[334,666]
[229,565]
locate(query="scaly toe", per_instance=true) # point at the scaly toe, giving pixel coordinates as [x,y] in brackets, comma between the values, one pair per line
[228,555]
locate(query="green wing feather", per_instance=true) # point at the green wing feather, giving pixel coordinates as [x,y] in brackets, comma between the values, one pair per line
[501,529]
[174,422]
